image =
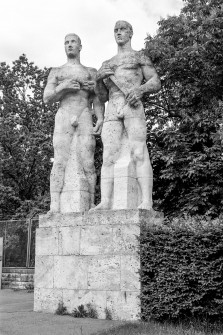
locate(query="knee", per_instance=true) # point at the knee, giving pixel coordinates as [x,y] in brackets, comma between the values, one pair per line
[138,152]
[59,163]
[108,158]
[88,166]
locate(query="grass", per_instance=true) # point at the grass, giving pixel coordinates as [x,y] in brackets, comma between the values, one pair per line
[152,328]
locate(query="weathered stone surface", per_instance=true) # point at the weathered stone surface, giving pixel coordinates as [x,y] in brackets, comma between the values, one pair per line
[46,300]
[98,261]
[69,241]
[124,305]
[126,177]
[70,272]
[61,220]
[130,278]
[104,273]
[96,240]
[125,238]
[47,241]
[44,271]
[72,180]
[74,298]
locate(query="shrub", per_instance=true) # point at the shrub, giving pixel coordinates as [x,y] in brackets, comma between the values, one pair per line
[182,270]
[81,312]
[61,309]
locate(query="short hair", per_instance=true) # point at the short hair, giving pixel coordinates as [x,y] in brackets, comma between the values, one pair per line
[72,34]
[127,24]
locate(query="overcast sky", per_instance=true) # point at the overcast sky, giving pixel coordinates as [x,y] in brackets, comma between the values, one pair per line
[37,28]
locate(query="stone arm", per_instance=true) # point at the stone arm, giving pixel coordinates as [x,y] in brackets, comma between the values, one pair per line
[103,73]
[98,104]
[55,92]
[99,109]
[152,84]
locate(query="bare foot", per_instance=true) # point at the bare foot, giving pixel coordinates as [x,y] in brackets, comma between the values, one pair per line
[145,205]
[101,206]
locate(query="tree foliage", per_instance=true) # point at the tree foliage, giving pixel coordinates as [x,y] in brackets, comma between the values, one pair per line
[184,118]
[26,139]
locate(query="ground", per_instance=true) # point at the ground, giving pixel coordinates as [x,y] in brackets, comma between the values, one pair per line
[17,318]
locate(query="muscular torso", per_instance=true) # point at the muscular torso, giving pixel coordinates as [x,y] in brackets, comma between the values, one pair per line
[127,70]
[80,74]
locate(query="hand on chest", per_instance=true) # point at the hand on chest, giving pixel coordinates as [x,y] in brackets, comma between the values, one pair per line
[78,73]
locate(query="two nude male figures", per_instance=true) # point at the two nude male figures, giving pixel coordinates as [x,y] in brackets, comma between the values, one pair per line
[118,81]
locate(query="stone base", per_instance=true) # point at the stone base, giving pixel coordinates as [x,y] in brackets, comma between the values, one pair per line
[92,258]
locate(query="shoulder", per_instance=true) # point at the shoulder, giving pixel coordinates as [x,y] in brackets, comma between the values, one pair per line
[109,61]
[55,70]
[53,74]
[92,71]
[143,58]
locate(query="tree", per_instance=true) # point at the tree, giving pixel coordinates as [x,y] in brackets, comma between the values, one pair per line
[184,118]
[26,139]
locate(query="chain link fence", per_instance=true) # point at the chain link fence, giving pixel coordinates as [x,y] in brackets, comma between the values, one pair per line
[19,242]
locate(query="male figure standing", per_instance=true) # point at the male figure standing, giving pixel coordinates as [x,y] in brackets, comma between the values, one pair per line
[120,80]
[73,86]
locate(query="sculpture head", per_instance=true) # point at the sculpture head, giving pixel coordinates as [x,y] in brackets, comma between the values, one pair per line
[72,45]
[123,32]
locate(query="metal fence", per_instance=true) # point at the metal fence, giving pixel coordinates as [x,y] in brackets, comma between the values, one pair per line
[19,242]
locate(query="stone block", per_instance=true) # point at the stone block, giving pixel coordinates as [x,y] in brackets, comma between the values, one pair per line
[60,220]
[46,300]
[70,272]
[104,273]
[96,240]
[74,298]
[69,240]
[124,305]
[125,238]
[47,241]
[130,278]
[98,261]
[44,271]
[105,217]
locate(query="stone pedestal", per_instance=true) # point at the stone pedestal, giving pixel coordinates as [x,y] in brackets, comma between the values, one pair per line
[91,258]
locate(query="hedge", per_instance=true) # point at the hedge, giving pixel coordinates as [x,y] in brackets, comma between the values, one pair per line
[182,269]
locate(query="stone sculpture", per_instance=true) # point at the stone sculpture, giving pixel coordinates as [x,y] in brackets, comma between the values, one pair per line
[72,181]
[126,169]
